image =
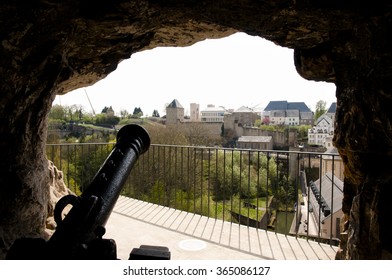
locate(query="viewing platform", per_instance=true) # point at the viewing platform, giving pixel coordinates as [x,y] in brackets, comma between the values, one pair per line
[194,237]
[219,203]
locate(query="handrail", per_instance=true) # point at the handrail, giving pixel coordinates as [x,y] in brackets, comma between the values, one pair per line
[257,188]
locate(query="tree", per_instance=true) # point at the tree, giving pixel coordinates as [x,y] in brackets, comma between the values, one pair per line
[80,114]
[247,179]
[124,114]
[137,112]
[321,106]
[73,112]
[108,110]
[106,120]
[105,110]
[155,114]
[266,121]
[57,112]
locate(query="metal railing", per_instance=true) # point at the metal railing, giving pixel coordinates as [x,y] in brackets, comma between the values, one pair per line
[272,190]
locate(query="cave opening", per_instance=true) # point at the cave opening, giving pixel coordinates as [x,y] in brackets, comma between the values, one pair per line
[238,70]
[49,49]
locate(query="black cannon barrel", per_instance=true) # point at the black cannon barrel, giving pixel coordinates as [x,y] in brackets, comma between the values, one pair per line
[90,212]
[132,141]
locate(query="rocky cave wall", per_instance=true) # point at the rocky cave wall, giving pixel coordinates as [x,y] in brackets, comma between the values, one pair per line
[50,47]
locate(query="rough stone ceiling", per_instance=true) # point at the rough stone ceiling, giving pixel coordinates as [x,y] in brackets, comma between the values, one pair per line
[125,27]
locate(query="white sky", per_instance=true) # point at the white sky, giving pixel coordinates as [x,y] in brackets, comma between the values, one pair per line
[235,71]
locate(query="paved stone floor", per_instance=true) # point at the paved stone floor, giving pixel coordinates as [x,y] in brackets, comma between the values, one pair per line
[193,237]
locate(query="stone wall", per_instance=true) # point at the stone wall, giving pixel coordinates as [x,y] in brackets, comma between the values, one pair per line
[57,189]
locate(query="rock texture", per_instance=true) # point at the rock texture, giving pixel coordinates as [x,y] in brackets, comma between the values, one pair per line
[51,47]
[57,189]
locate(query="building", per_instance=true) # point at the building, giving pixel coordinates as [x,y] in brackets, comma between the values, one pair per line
[237,120]
[199,133]
[324,128]
[195,112]
[292,118]
[288,113]
[255,142]
[318,134]
[332,111]
[306,118]
[325,198]
[276,117]
[213,114]
[174,113]
[244,116]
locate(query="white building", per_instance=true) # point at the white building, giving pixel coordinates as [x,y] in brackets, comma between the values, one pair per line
[324,129]
[321,134]
[292,117]
[212,114]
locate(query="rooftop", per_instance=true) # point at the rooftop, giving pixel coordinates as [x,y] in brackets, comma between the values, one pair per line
[327,182]
[256,139]
[174,104]
[244,109]
[284,105]
[324,117]
[300,106]
[332,108]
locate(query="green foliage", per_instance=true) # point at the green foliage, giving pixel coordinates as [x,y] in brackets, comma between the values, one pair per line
[303,131]
[57,112]
[321,108]
[124,114]
[73,113]
[79,163]
[67,113]
[257,123]
[246,175]
[106,120]
[273,127]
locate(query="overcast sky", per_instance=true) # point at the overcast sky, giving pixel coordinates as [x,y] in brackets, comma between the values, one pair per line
[235,71]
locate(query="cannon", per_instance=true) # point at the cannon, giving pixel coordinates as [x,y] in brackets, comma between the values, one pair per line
[79,235]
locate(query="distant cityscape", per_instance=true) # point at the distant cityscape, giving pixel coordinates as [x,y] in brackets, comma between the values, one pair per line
[242,123]
[280,125]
